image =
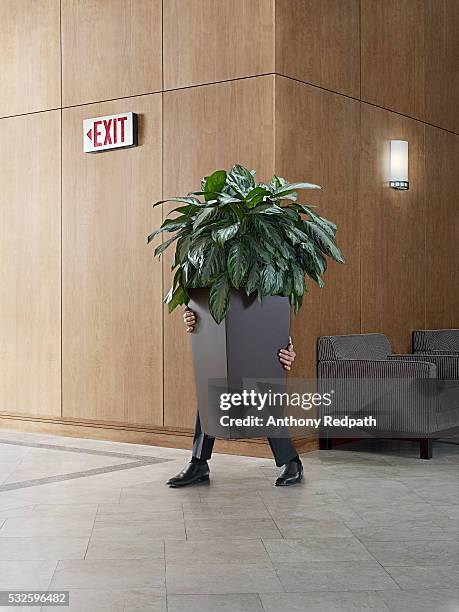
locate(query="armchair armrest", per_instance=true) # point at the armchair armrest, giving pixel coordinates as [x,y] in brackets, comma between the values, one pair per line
[391,368]
[447,365]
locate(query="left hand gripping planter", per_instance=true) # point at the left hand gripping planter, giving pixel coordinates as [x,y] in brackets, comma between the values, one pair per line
[241,256]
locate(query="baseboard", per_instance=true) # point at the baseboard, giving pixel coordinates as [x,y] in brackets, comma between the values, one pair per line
[140,434]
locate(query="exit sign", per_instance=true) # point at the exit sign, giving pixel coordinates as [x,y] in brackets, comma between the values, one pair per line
[109,132]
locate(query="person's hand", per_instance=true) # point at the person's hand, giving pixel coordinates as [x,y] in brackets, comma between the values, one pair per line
[189,318]
[287,356]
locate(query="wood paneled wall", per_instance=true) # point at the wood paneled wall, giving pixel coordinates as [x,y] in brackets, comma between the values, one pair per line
[110,49]
[410,58]
[442,228]
[112,368]
[206,41]
[310,89]
[30,63]
[30,268]
[317,41]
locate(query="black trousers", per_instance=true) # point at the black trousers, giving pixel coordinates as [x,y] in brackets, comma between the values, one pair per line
[282,448]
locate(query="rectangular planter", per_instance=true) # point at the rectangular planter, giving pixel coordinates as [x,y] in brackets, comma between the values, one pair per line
[243,346]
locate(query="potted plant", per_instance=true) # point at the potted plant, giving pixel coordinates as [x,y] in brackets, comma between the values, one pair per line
[242,251]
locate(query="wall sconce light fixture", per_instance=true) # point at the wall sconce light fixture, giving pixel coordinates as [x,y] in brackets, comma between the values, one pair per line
[399,164]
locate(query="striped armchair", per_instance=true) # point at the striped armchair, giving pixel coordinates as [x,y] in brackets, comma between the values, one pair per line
[398,389]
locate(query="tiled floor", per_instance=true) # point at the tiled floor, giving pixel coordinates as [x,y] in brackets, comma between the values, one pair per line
[372,528]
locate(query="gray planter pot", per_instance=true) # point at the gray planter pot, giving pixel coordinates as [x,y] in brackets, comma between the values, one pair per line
[243,346]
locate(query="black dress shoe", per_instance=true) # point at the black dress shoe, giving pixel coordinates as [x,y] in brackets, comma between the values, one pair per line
[291,474]
[191,474]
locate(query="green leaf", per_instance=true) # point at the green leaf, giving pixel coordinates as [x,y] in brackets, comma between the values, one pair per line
[221,235]
[196,250]
[324,242]
[175,298]
[181,249]
[263,255]
[186,200]
[288,285]
[241,179]
[325,224]
[295,235]
[291,187]
[268,279]
[237,263]
[162,247]
[252,280]
[264,207]
[272,233]
[313,258]
[186,210]
[298,280]
[214,184]
[275,183]
[256,195]
[205,214]
[273,210]
[170,225]
[212,265]
[219,296]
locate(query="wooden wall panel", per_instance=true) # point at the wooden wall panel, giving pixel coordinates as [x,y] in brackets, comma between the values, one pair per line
[392,230]
[206,128]
[410,58]
[317,41]
[206,41]
[393,70]
[29,56]
[30,277]
[112,309]
[442,229]
[317,140]
[110,49]
[442,63]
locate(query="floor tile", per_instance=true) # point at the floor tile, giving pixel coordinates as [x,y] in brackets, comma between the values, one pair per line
[422,600]
[106,574]
[418,551]
[214,603]
[408,530]
[299,529]
[26,574]
[231,528]
[127,548]
[216,551]
[422,577]
[209,578]
[360,601]
[38,547]
[345,576]
[113,600]
[316,549]
[33,525]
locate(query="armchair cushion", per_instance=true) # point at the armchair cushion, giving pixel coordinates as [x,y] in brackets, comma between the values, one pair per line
[447,365]
[445,341]
[364,368]
[353,346]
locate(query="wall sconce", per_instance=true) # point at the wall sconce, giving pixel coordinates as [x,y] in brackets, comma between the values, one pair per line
[399,164]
